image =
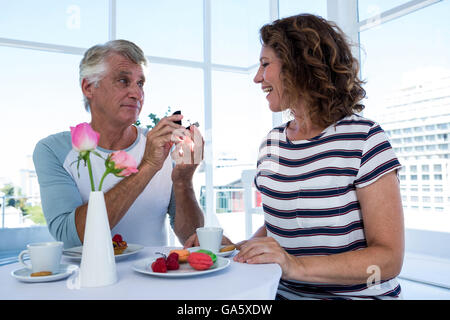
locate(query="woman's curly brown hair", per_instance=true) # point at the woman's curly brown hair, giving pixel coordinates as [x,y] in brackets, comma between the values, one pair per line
[316,65]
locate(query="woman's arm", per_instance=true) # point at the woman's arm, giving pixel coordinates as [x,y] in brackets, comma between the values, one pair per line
[383,226]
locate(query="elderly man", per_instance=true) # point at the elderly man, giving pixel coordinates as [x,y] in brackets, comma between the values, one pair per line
[112,80]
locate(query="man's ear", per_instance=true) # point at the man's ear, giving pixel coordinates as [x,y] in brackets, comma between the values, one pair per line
[87,88]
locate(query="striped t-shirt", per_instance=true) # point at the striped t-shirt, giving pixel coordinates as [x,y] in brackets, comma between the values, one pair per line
[309,197]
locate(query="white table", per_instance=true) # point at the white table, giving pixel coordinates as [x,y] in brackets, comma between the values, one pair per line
[239,281]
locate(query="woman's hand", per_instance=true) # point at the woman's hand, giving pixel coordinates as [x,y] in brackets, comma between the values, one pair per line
[266,250]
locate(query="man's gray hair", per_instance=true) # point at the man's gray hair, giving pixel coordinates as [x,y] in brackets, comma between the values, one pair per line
[93,66]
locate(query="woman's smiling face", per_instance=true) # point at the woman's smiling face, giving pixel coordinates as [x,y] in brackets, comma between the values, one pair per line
[268,76]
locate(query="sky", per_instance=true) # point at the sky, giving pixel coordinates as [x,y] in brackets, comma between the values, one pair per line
[40,94]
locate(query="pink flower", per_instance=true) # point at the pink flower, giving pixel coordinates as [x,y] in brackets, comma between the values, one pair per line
[123,160]
[84,138]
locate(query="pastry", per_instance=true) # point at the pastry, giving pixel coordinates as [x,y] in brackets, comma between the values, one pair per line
[200,261]
[118,244]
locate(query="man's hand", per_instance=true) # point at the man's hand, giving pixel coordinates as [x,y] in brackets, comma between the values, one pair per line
[159,141]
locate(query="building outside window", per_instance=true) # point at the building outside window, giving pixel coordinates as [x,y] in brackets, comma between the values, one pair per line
[409,95]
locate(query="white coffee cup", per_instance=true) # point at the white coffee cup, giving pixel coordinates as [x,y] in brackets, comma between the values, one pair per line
[210,238]
[44,256]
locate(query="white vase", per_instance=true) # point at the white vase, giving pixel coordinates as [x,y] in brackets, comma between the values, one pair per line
[98,265]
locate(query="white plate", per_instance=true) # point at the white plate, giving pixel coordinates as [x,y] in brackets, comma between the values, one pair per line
[185,270]
[75,252]
[219,254]
[24,274]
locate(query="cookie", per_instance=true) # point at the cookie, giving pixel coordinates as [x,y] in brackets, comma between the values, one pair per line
[228,248]
[41,274]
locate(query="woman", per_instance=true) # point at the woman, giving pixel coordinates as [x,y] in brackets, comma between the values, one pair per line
[328,178]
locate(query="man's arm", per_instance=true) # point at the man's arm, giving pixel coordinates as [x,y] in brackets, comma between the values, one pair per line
[188,154]
[59,193]
[188,214]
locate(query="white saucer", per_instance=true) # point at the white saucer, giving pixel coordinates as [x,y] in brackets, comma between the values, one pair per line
[24,274]
[219,254]
[75,253]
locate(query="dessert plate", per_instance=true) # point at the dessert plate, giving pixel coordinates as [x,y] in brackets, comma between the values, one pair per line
[24,274]
[185,270]
[75,252]
[219,254]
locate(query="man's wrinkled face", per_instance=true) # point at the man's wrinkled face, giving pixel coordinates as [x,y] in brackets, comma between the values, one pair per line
[119,95]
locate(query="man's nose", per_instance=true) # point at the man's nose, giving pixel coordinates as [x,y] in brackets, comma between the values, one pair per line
[136,92]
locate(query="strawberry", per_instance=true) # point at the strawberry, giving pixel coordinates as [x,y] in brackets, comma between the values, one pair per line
[159,265]
[172,261]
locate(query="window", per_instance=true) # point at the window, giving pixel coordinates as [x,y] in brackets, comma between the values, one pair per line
[406,140]
[410,91]
[78,23]
[230,116]
[236,41]
[52,103]
[159,30]
[292,7]
[370,8]
[407,130]
[177,88]
[171,33]
[180,88]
